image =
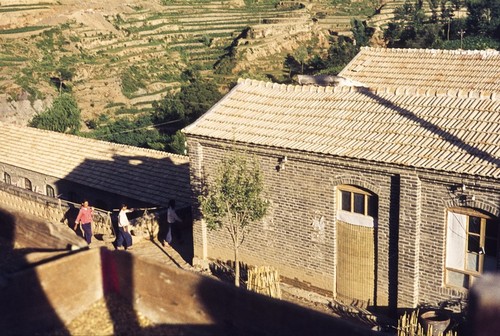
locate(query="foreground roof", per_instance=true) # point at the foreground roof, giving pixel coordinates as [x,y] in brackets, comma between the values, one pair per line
[477,70]
[448,131]
[142,174]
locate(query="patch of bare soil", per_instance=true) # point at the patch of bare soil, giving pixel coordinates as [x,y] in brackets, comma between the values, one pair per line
[310,300]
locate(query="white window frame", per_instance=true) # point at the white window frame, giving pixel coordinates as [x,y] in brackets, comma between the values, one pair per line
[458,254]
[351,217]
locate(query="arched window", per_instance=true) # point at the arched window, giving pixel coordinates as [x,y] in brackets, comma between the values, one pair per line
[27,184]
[357,205]
[49,191]
[6,178]
[472,245]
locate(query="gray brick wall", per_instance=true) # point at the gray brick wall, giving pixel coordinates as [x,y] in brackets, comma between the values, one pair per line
[38,181]
[411,221]
[68,190]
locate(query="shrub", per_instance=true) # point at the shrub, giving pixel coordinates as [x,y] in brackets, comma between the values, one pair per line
[63,116]
[132,80]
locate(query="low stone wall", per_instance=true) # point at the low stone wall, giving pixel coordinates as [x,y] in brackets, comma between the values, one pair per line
[53,210]
[51,295]
[31,203]
[63,213]
[48,296]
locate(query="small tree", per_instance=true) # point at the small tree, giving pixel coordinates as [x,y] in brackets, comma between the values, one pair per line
[359,31]
[300,55]
[65,75]
[234,200]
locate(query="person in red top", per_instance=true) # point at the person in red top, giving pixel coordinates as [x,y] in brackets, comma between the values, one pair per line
[85,219]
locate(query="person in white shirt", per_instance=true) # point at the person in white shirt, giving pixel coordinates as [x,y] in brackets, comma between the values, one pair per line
[123,237]
[171,219]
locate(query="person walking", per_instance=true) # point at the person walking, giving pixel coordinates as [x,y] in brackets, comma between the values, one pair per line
[123,237]
[172,218]
[84,218]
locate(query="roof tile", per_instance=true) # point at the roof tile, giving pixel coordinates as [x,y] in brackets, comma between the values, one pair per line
[125,170]
[423,69]
[386,125]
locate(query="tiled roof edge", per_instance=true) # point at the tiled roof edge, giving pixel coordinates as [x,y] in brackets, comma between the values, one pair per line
[349,65]
[113,144]
[428,92]
[432,92]
[240,81]
[489,52]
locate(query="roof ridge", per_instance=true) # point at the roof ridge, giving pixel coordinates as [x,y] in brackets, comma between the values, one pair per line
[39,130]
[487,52]
[394,90]
[436,92]
[298,87]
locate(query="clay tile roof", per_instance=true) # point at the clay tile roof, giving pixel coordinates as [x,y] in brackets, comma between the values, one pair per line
[428,130]
[147,175]
[469,70]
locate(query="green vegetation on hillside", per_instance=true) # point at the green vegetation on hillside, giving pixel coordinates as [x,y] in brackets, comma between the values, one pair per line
[140,75]
[63,116]
[187,105]
[133,79]
[18,8]
[159,129]
[444,28]
[142,53]
[138,132]
[21,30]
[356,8]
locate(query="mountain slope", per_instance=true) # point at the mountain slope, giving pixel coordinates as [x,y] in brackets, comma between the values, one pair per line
[118,57]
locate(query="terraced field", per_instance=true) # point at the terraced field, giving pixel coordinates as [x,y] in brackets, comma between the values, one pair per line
[119,57]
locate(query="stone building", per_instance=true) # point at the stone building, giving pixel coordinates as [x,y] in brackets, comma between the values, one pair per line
[385,193]
[73,168]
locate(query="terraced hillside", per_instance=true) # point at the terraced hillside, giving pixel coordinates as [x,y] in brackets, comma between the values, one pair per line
[118,57]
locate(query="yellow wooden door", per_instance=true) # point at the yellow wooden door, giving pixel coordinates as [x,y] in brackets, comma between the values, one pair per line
[355,263]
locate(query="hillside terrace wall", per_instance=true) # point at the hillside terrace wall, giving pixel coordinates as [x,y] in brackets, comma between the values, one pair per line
[411,231]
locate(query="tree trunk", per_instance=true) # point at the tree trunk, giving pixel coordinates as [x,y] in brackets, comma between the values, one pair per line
[236,268]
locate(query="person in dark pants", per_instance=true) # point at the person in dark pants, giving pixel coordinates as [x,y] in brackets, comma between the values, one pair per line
[172,218]
[84,218]
[123,237]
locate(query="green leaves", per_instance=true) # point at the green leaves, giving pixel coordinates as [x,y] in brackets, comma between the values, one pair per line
[132,80]
[412,28]
[359,32]
[194,99]
[137,132]
[63,116]
[234,198]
